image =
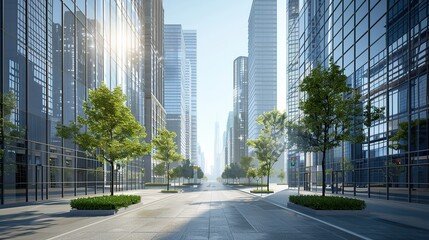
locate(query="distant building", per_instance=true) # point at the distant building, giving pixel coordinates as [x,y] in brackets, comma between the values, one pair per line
[155,115]
[240,123]
[180,87]
[190,37]
[262,62]
[228,139]
[175,84]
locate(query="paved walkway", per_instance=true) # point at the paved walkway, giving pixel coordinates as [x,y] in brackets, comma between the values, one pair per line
[385,219]
[213,211]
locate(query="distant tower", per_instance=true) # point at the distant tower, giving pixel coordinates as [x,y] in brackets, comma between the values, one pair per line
[262,61]
[240,124]
[175,84]
[154,75]
[217,153]
[190,37]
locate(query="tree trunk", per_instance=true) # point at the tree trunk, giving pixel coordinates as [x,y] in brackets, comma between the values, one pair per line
[168,176]
[323,174]
[268,180]
[111,178]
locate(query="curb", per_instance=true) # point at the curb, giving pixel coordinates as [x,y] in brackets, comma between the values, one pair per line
[92,213]
[297,207]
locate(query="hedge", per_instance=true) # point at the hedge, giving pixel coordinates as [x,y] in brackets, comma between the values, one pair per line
[104,202]
[328,202]
[261,191]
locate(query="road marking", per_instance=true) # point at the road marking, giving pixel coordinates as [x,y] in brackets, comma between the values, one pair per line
[114,216]
[321,221]
[308,216]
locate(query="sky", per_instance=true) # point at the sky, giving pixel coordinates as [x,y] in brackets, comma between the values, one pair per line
[221,37]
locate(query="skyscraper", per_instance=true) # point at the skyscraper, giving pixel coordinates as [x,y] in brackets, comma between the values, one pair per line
[53,52]
[262,62]
[382,46]
[175,84]
[190,37]
[155,115]
[240,95]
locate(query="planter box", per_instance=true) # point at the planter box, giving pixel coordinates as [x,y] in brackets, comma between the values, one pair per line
[303,209]
[92,213]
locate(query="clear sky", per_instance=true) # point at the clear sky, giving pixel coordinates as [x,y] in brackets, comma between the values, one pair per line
[221,37]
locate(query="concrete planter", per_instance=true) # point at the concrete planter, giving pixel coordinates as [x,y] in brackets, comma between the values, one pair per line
[92,213]
[307,210]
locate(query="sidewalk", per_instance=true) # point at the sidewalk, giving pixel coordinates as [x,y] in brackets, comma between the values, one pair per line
[51,217]
[386,219]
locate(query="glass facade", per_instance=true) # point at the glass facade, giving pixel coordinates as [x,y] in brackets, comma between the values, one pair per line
[190,37]
[176,85]
[262,62]
[382,46]
[52,52]
[155,115]
[240,95]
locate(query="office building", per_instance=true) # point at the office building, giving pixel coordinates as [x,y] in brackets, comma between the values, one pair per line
[190,37]
[177,95]
[155,115]
[262,62]
[240,125]
[52,53]
[382,46]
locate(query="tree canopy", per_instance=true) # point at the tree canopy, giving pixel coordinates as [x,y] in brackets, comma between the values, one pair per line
[166,150]
[332,113]
[270,144]
[112,132]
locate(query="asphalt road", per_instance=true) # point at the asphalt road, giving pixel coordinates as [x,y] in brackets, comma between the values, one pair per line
[210,211]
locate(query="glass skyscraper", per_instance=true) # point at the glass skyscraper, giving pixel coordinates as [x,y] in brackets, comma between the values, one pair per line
[190,37]
[155,115]
[240,123]
[262,62]
[176,86]
[52,52]
[382,46]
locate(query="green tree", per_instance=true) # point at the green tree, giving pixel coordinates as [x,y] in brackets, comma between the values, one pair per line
[8,130]
[332,112]
[166,150]
[251,173]
[200,173]
[271,142]
[187,169]
[246,163]
[177,172]
[112,133]
[281,175]
[159,169]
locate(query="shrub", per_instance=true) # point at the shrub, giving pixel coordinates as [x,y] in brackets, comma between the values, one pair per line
[169,191]
[261,191]
[104,202]
[155,184]
[328,202]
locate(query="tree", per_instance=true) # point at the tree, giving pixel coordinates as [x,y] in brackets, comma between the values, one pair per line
[251,173]
[246,163]
[159,169]
[332,112]
[271,142]
[166,150]
[281,175]
[8,129]
[187,169]
[112,133]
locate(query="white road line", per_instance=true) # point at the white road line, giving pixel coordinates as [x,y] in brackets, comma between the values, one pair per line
[321,221]
[308,216]
[114,216]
